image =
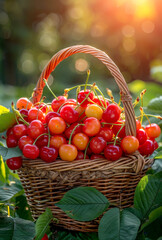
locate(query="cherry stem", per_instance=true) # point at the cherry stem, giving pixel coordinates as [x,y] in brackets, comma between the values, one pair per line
[16,112]
[118,134]
[109,93]
[88,74]
[101,95]
[39,137]
[49,137]
[85,98]
[77,92]
[85,152]
[44,80]
[81,85]
[79,124]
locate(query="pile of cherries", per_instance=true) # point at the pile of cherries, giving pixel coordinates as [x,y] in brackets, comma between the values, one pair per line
[88,127]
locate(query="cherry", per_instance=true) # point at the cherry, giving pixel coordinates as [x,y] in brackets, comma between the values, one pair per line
[82,95]
[80,156]
[9,131]
[69,130]
[19,130]
[43,107]
[14,163]
[96,156]
[57,125]
[24,113]
[81,111]
[97,144]
[11,141]
[45,237]
[35,129]
[153,130]
[91,126]
[80,140]
[106,133]
[42,141]
[120,127]
[138,124]
[35,114]
[101,101]
[68,152]
[112,152]
[94,110]
[155,143]
[147,148]
[48,154]
[129,144]
[23,103]
[31,151]
[25,140]
[56,141]
[58,102]
[69,114]
[112,113]
[141,136]
[51,115]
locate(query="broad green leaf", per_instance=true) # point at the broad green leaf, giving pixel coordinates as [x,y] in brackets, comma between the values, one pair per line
[152,217]
[157,165]
[42,223]
[7,153]
[155,104]
[9,191]
[16,229]
[2,170]
[67,235]
[83,203]
[22,208]
[116,225]
[7,118]
[148,194]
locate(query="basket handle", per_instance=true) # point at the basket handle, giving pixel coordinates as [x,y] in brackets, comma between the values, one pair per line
[130,121]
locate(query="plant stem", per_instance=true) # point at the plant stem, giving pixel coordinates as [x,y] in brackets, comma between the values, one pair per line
[88,74]
[44,80]
[79,124]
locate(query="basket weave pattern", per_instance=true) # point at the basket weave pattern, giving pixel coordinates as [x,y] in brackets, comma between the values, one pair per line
[45,184]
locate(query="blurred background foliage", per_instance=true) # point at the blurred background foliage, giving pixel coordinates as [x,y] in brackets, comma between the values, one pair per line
[130,31]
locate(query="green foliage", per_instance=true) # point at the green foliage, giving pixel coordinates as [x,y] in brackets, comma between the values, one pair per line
[118,225]
[42,223]
[7,153]
[10,191]
[155,104]
[7,119]
[83,203]
[16,229]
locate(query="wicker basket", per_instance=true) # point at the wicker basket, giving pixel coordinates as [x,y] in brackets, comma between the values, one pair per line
[45,184]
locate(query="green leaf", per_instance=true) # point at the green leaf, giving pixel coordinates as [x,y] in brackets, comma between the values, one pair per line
[2,170]
[67,235]
[83,203]
[148,194]
[16,229]
[116,225]
[157,165]
[42,223]
[9,191]
[155,104]
[7,153]
[7,119]
[22,208]
[156,213]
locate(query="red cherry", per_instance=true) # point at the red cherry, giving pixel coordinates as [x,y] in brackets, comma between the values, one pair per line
[153,130]
[9,132]
[141,136]
[57,103]
[97,144]
[80,156]
[120,127]
[43,107]
[91,126]
[106,133]
[69,130]
[14,163]
[80,140]
[138,124]
[31,151]
[51,115]
[82,95]
[19,130]
[25,140]
[69,114]
[45,237]
[57,125]
[112,113]
[48,154]
[24,113]
[35,129]
[96,156]
[155,143]
[101,101]
[35,114]
[57,140]
[42,141]
[147,148]
[11,141]
[112,152]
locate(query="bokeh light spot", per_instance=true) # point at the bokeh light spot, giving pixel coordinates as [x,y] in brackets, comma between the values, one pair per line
[81,65]
[128,31]
[148,26]
[129,44]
